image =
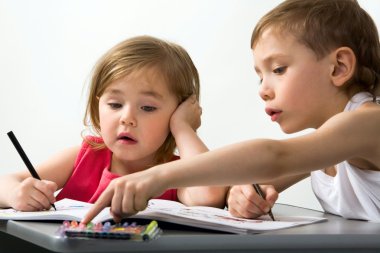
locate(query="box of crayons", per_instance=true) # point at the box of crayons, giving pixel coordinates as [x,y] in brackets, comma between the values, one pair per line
[121,231]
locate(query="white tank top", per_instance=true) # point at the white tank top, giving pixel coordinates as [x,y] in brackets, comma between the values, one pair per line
[353,193]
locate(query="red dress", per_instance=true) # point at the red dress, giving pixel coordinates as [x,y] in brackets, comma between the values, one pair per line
[91,175]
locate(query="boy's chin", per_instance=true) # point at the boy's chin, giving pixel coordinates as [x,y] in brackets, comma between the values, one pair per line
[289,130]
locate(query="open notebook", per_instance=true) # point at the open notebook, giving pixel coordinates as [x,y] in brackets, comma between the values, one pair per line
[168,211]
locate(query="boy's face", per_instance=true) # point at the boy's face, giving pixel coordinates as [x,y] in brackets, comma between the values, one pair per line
[295,86]
[134,118]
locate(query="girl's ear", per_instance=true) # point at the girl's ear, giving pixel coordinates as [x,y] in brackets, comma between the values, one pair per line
[343,65]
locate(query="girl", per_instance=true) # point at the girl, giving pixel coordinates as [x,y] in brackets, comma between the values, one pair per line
[142,102]
[319,69]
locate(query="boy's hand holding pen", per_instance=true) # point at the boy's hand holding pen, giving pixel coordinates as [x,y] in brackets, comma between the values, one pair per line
[260,192]
[251,201]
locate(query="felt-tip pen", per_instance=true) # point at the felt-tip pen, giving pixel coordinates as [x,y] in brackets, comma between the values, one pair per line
[25,158]
[260,192]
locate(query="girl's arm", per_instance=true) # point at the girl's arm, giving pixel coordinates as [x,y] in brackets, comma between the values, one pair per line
[184,122]
[23,192]
[351,136]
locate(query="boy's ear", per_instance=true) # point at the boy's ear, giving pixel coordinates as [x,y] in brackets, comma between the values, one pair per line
[343,65]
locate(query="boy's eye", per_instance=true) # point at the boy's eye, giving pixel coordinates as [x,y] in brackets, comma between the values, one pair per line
[114,105]
[260,79]
[148,108]
[279,70]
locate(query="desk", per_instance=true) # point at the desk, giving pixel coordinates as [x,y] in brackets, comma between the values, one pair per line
[335,235]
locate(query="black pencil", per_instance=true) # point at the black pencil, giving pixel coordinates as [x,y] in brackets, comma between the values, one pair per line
[260,192]
[24,158]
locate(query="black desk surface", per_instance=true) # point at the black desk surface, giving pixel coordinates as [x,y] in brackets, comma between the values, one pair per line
[335,235]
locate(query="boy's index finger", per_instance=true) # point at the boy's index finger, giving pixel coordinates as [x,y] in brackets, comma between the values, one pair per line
[103,201]
[94,210]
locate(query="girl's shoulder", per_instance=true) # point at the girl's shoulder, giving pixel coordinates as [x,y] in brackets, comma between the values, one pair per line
[92,144]
[92,148]
[174,158]
[92,139]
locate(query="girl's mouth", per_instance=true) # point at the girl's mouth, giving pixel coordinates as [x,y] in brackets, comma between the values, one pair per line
[126,138]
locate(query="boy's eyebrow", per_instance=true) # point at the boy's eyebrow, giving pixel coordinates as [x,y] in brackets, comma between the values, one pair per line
[270,59]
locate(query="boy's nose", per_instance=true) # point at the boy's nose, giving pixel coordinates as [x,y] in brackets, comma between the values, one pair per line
[266,93]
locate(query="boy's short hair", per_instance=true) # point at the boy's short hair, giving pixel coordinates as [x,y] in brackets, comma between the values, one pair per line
[323,26]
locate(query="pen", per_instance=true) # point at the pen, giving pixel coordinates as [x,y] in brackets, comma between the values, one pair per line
[25,158]
[260,192]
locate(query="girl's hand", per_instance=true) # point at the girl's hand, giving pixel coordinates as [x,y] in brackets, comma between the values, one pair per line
[243,201]
[128,195]
[188,113]
[33,195]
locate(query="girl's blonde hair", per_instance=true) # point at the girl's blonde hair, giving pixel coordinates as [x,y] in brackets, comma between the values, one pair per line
[135,54]
[324,25]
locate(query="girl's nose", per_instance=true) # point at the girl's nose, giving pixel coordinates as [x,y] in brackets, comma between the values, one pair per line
[129,123]
[128,118]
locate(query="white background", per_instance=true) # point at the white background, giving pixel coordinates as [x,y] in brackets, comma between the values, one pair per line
[48,49]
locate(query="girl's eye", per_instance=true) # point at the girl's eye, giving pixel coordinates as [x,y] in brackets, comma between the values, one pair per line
[279,70]
[148,108]
[114,105]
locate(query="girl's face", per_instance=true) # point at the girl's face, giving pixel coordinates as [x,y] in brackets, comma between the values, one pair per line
[295,85]
[134,119]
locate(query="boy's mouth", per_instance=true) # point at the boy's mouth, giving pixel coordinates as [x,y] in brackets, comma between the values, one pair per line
[273,113]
